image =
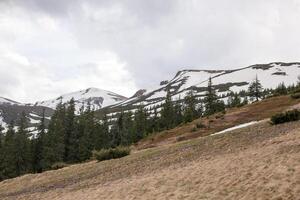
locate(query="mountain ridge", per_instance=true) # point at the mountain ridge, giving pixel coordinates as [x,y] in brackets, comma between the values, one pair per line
[184,81]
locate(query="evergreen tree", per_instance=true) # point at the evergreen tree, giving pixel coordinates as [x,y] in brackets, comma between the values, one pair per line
[70,136]
[154,121]
[84,146]
[199,109]
[22,148]
[38,145]
[212,104]
[140,119]
[178,113]
[190,112]
[54,147]
[245,101]
[167,113]
[281,89]
[255,89]
[106,136]
[126,128]
[1,154]
[236,100]
[9,152]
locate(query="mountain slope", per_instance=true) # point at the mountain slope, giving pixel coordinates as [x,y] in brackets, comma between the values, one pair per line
[12,113]
[260,161]
[224,81]
[98,98]
[8,101]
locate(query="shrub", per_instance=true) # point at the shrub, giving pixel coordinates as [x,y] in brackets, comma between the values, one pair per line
[108,154]
[180,138]
[194,129]
[200,125]
[219,116]
[59,165]
[292,115]
[296,90]
[295,95]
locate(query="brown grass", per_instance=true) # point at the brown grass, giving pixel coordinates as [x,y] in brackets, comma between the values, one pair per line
[256,162]
[235,116]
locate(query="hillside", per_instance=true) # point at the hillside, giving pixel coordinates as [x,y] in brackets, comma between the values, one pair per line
[12,112]
[259,161]
[235,116]
[224,81]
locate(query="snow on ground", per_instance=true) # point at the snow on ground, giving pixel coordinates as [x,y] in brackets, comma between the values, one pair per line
[8,101]
[3,124]
[34,115]
[34,121]
[98,98]
[236,127]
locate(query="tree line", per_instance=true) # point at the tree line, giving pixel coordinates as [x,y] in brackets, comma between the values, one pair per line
[71,138]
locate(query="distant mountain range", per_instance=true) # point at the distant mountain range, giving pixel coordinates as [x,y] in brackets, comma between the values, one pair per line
[11,110]
[184,81]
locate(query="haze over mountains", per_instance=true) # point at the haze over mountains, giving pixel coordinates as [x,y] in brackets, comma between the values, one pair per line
[224,81]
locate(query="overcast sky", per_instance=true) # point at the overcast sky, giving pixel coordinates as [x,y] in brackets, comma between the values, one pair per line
[50,47]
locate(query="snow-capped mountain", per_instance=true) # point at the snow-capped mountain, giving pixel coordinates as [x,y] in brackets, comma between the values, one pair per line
[10,112]
[8,101]
[224,81]
[97,98]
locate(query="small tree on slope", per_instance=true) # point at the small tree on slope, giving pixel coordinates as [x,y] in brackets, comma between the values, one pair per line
[255,89]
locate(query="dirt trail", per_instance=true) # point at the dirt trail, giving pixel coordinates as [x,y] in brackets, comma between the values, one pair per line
[256,162]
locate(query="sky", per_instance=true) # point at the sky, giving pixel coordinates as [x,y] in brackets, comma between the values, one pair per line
[48,48]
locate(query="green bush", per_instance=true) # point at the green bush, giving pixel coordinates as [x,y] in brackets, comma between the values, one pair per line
[107,154]
[296,90]
[292,115]
[200,125]
[59,165]
[295,95]
[194,129]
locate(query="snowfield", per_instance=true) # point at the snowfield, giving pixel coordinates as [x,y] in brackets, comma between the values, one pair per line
[270,76]
[98,98]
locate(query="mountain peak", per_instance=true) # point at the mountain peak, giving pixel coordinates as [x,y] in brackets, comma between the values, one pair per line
[98,98]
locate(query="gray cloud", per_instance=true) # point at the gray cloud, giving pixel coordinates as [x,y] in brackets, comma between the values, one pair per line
[151,40]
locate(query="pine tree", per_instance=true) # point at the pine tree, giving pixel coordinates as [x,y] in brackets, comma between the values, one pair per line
[54,147]
[9,160]
[106,136]
[70,135]
[22,148]
[255,89]
[245,101]
[199,109]
[167,113]
[211,99]
[38,145]
[140,119]
[178,113]
[154,121]
[281,89]
[190,112]
[1,154]
[236,101]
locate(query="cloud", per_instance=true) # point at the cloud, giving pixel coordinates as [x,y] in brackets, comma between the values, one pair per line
[130,44]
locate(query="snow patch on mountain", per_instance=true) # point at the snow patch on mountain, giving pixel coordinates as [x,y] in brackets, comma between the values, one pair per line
[8,101]
[224,81]
[2,123]
[97,98]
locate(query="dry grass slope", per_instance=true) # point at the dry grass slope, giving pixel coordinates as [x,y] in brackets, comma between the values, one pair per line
[257,162]
[235,116]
